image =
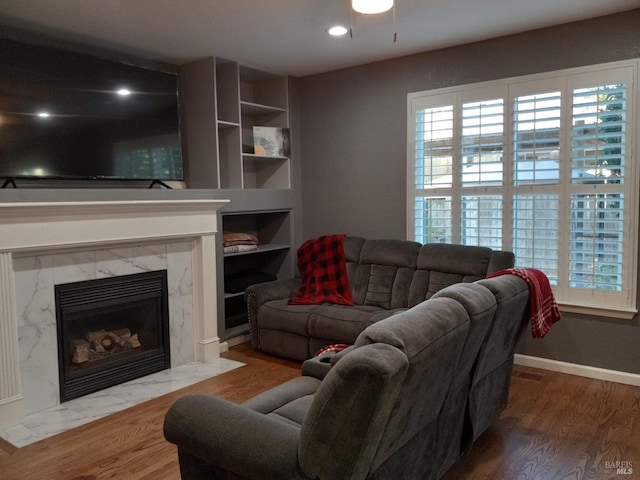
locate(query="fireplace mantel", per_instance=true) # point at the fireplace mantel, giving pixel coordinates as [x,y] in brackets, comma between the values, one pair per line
[33,226]
[38,227]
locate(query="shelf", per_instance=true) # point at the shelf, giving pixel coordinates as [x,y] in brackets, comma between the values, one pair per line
[253,156]
[250,108]
[265,172]
[226,124]
[274,253]
[233,295]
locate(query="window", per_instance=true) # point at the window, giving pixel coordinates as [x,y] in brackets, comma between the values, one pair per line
[541,166]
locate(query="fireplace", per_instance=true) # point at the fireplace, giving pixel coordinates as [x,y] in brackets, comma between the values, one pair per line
[110,331]
[181,221]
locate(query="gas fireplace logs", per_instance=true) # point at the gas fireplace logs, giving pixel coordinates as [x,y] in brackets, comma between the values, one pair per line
[103,343]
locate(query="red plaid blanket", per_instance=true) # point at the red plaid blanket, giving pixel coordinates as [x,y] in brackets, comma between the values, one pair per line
[543,306]
[324,272]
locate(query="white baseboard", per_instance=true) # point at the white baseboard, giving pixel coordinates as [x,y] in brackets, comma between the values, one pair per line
[233,341]
[576,369]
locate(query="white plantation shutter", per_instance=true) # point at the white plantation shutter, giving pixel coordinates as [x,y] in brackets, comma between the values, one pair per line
[537,166]
[432,171]
[598,161]
[596,249]
[598,134]
[433,220]
[536,127]
[536,138]
[481,171]
[482,142]
[481,221]
[535,232]
[433,145]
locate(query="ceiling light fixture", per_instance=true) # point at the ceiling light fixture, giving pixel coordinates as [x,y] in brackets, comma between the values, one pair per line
[338,31]
[371,6]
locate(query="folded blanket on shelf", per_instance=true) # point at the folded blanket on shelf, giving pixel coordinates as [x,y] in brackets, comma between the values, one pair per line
[238,238]
[239,248]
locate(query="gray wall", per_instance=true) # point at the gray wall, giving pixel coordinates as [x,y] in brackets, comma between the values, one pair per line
[353,149]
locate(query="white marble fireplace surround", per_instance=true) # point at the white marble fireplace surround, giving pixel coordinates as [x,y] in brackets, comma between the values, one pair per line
[44,243]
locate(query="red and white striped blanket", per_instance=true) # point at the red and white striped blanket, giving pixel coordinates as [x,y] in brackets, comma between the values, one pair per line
[543,306]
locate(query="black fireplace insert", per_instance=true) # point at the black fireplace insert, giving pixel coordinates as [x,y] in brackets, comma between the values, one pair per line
[111,330]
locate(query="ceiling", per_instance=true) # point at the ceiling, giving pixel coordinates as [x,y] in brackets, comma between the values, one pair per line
[289,36]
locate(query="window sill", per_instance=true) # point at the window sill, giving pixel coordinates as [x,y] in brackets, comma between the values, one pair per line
[599,311]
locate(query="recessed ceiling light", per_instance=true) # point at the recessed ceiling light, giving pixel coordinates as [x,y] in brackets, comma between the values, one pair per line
[337,31]
[44,114]
[123,92]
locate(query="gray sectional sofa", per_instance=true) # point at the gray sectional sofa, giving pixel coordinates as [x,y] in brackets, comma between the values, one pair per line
[386,277]
[404,402]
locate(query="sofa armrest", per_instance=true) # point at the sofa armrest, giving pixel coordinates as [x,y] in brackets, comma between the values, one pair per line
[319,366]
[256,295]
[227,435]
[316,367]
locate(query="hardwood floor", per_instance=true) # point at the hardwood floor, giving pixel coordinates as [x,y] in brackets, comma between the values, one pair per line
[130,445]
[556,426]
[559,426]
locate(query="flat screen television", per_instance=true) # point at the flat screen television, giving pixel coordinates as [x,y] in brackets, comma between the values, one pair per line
[69,115]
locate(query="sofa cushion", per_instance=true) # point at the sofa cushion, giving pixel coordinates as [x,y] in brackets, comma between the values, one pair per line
[342,324]
[291,345]
[279,315]
[283,394]
[470,261]
[481,305]
[384,273]
[440,265]
[352,248]
[293,412]
[320,325]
